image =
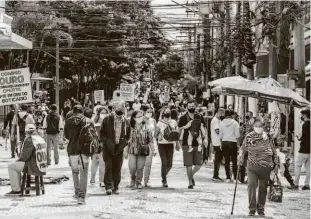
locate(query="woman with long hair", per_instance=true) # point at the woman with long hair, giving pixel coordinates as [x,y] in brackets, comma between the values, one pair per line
[166,147]
[141,139]
[151,125]
[97,158]
[262,159]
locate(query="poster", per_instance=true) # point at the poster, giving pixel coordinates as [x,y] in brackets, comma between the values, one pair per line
[99,96]
[15,86]
[127,92]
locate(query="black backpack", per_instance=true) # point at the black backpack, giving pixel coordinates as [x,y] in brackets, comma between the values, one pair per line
[89,140]
[170,134]
[22,123]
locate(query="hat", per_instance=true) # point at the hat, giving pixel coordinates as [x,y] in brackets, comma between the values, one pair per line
[30,127]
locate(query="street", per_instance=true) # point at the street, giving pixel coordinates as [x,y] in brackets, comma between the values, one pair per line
[208,200]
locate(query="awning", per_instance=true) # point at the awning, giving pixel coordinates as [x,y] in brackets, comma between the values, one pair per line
[14,42]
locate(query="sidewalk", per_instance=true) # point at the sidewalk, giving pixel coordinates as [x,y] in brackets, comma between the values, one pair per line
[209,200]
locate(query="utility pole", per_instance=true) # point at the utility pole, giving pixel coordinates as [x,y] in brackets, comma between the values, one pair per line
[206,48]
[198,55]
[272,44]
[57,71]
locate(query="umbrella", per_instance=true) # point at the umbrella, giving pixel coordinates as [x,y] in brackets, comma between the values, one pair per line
[267,88]
[222,82]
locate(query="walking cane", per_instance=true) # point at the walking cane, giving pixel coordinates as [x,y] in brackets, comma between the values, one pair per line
[236,184]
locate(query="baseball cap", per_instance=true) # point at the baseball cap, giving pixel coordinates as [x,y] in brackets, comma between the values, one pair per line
[30,127]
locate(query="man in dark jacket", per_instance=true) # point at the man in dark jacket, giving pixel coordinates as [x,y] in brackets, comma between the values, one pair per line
[8,123]
[70,113]
[53,125]
[114,133]
[78,161]
[33,154]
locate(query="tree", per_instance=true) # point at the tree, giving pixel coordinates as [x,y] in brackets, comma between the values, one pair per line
[169,68]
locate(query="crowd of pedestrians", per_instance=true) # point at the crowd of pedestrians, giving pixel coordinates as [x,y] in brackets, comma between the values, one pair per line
[109,133]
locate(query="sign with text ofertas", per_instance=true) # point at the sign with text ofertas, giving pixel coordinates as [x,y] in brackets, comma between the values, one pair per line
[99,96]
[127,92]
[15,86]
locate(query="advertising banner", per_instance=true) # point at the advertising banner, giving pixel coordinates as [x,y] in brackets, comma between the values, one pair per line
[15,86]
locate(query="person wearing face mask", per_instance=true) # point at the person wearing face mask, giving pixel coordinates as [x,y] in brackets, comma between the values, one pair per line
[166,147]
[114,134]
[303,157]
[97,158]
[219,116]
[262,159]
[140,136]
[193,160]
[151,125]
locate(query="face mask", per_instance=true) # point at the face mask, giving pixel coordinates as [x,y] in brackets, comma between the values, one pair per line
[247,117]
[119,113]
[258,130]
[191,110]
[221,117]
[148,115]
[139,120]
[167,115]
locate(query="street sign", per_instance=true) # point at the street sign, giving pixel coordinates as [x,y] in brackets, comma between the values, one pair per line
[15,86]
[127,92]
[99,96]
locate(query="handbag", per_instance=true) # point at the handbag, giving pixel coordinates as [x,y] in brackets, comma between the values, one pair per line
[276,190]
[144,149]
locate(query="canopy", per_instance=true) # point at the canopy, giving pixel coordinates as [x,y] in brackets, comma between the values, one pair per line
[227,81]
[267,88]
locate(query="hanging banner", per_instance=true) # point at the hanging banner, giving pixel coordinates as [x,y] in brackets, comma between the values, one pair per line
[127,92]
[15,86]
[99,96]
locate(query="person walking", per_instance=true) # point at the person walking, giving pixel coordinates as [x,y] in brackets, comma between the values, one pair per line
[192,160]
[78,159]
[229,133]
[262,159]
[114,134]
[215,123]
[165,146]
[97,158]
[8,123]
[303,157]
[151,125]
[141,140]
[53,126]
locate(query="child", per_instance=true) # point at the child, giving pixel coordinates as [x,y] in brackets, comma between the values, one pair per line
[196,129]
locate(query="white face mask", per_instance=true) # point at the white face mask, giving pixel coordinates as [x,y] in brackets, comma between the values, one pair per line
[258,130]
[139,120]
[148,115]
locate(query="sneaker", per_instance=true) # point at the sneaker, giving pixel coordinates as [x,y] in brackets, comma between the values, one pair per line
[294,187]
[139,186]
[305,188]
[228,180]
[13,193]
[81,201]
[108,191]
[147,185]
[56,162]
[199,148]
[102,185]
[13,156]
[190,149]
[115,191]
[190,187]
[251,213]
[217,179]
[261,213]
[164,184]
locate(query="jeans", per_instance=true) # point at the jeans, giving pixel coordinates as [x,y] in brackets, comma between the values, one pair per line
[15,170]
[166,152]
[79,168]
[257,175]
[230,152]
[217,161]
[300,160]
[113,165]
[148,165]
[52,141]
[136,166]
[97,161]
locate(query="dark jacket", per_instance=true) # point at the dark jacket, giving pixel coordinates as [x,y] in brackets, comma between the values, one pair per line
[8,120]
[107,135]
[52,123]
[28,155]
[72,131]
[68,115]
[305,138]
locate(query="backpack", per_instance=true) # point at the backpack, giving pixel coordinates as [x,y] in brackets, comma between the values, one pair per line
[89,140]
[170,134]
[22,123]
[195,128]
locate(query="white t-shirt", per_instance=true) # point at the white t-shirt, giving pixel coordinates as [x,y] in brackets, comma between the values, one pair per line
[162,127]
[214,136]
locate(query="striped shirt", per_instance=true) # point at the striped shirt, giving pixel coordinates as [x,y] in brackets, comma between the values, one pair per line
[261,150]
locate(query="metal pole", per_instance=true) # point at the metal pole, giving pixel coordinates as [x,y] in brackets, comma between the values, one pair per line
[57,72]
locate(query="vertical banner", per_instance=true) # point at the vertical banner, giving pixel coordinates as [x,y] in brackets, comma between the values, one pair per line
[99,96]
[15,86]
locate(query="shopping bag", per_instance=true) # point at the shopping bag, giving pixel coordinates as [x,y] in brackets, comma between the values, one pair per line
[276,190]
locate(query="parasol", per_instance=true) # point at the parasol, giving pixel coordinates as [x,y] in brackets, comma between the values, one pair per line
[222,82]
